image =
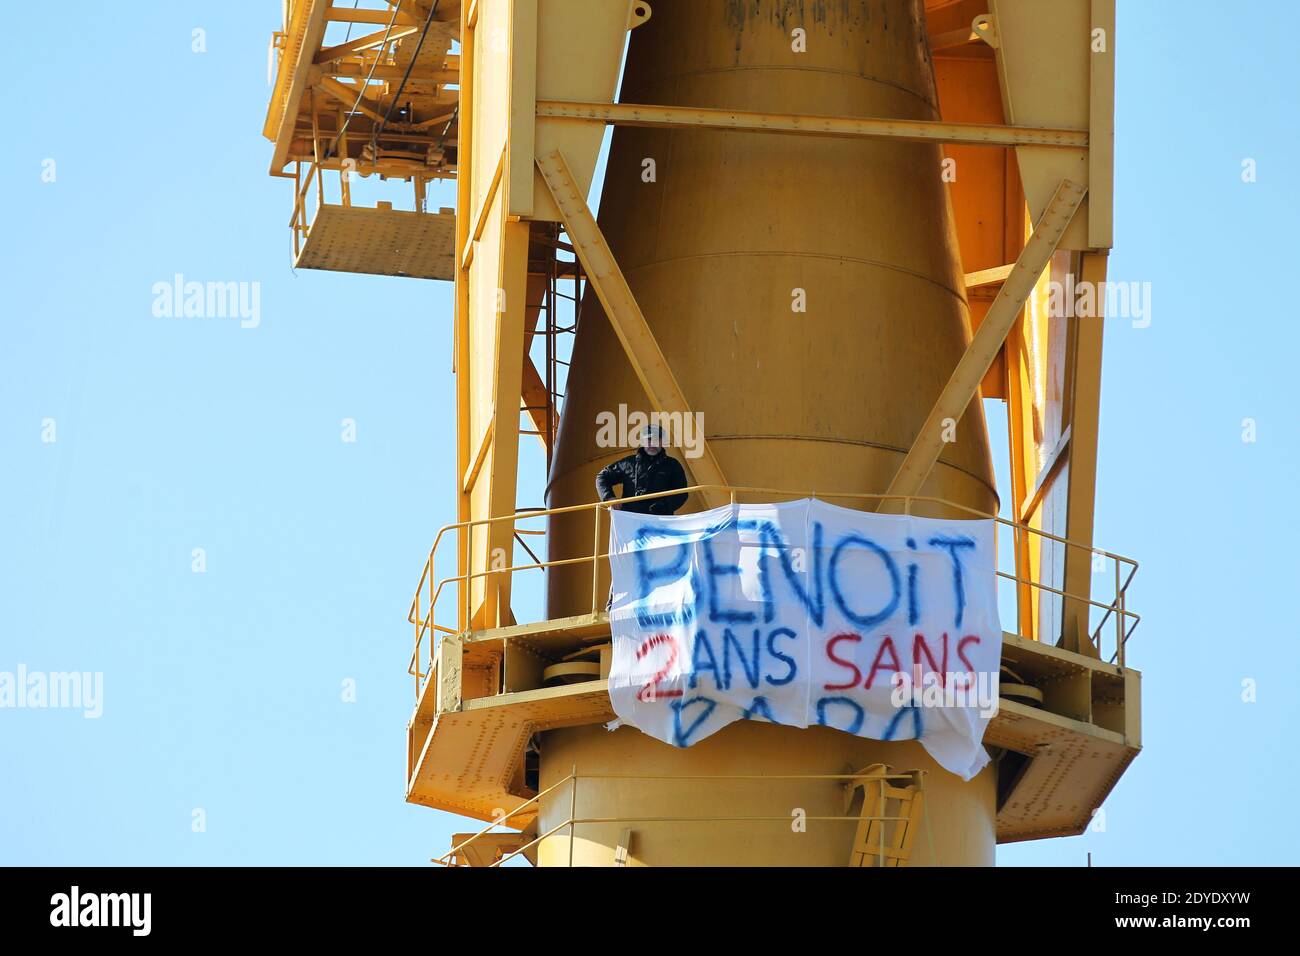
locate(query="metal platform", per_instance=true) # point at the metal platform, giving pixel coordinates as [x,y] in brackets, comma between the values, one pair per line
[380,241]
[466,740]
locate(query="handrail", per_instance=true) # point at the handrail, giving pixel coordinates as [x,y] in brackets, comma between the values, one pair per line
[497,821]
[424,621]
[448,859]
[301,219]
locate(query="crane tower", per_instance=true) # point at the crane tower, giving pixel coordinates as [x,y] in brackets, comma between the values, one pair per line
[830,231]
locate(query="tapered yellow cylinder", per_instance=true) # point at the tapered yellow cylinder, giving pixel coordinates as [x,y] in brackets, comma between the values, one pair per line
[807,294]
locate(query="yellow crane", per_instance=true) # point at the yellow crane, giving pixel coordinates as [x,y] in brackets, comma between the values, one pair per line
[830,235]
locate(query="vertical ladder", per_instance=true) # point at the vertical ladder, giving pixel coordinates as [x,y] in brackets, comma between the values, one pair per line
[890,805]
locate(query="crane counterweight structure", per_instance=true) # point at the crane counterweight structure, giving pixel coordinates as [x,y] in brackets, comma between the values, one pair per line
[827,232]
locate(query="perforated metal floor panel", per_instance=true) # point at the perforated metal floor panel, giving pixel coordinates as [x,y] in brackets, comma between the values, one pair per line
[383,242]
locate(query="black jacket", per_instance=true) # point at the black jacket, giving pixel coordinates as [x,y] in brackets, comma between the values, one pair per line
[643,474]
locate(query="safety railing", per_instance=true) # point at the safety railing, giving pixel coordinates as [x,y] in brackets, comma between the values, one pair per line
[429,593]
[334,155]
[568,825]
[303,212]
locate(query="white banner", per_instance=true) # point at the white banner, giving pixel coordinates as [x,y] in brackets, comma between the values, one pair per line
[803,613]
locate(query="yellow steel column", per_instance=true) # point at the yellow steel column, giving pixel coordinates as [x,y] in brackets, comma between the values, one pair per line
[1085,409]
[461,364]
[503,438]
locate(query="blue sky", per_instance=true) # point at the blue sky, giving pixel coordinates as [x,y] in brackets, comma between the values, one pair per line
[223,690]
